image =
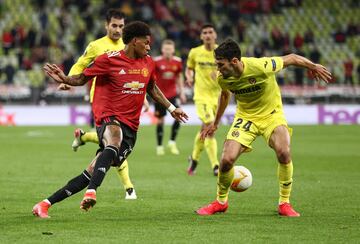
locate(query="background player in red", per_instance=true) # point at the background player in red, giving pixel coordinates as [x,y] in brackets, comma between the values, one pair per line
[168,69]
[123,78]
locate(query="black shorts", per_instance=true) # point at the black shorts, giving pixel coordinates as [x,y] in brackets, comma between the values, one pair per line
[127,143]
[160,111]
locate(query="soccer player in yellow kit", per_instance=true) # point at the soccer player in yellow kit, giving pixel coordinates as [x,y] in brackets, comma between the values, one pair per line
[201,61]
[115,21]
[259,113]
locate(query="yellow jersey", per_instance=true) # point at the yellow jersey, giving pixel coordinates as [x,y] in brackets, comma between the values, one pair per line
[256,91]
[202,61]
[94,49]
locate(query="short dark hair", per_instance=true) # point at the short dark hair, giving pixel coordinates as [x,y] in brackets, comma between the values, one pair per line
[135,29]
[207,25]
[114,13]
[228,49]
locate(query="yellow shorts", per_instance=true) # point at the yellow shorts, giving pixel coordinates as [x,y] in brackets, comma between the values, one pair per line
[206,112]
[245,131]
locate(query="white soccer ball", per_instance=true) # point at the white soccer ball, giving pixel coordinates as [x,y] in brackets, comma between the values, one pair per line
[242,179]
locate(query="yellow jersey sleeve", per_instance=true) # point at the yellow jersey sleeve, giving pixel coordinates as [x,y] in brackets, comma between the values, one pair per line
[191,60]
[91,52]
[270,65]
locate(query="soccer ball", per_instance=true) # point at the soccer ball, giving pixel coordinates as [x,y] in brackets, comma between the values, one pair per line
[242,179]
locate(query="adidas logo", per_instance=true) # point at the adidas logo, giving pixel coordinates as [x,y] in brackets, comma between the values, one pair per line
[102,170]
[122,72]
[69,193]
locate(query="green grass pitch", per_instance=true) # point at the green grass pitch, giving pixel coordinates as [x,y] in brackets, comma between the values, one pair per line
[36,161]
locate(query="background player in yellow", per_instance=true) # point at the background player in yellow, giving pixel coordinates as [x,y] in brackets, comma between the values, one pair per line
[201,62]
[259,113]
[115,21]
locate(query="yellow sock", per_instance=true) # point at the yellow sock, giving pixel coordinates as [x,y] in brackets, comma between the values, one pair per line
[198,147]
[223,185]
[123,173]
[285,172]
[211,149]
[90,136]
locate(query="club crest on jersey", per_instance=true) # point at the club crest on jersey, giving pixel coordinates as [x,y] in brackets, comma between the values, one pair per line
[235,133]
[252,80]
[145,72]
[134,85]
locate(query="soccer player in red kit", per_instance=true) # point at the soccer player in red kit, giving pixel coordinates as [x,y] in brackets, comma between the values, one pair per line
[169,77]
[123,78]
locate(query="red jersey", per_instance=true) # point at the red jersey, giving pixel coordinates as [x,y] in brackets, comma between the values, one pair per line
[121,85]
[167,71]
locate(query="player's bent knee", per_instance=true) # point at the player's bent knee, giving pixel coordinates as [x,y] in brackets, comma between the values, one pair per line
[284,156]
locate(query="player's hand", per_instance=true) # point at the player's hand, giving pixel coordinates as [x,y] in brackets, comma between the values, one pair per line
[146,105]
[180,115]
[182,98]
[208,130]
[321,73]
[54,72]
[63,87]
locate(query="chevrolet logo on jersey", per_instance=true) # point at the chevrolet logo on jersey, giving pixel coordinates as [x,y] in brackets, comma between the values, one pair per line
[134,85]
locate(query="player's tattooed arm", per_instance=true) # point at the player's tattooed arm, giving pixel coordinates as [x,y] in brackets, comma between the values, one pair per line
[54,72]
[156,94]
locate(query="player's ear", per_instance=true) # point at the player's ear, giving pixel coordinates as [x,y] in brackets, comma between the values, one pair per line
[133,41]
[106,25]
[234,60]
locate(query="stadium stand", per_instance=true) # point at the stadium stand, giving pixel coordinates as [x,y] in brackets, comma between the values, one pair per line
[57,31]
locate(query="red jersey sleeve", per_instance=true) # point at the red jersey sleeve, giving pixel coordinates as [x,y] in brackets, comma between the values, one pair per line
[100,66]
[180,67]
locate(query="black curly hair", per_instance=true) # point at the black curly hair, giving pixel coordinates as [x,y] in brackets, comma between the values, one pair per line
[135,29]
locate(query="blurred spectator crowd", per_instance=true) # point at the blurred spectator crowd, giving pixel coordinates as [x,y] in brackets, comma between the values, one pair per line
[57,31]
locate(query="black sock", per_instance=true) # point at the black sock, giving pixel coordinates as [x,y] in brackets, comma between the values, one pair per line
[159,133]
[174,130]
[73,186]
[102,165]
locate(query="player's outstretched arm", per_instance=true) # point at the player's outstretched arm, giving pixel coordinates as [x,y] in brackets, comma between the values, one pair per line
[158,96]
[210,129]
[54,72]
[319,71]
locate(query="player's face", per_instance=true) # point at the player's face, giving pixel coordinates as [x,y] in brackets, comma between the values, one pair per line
[142,46]
[168,50]
[208,35]
[114,28]
[225,67]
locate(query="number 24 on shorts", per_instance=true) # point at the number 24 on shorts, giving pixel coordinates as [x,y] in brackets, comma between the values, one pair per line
[246,125]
